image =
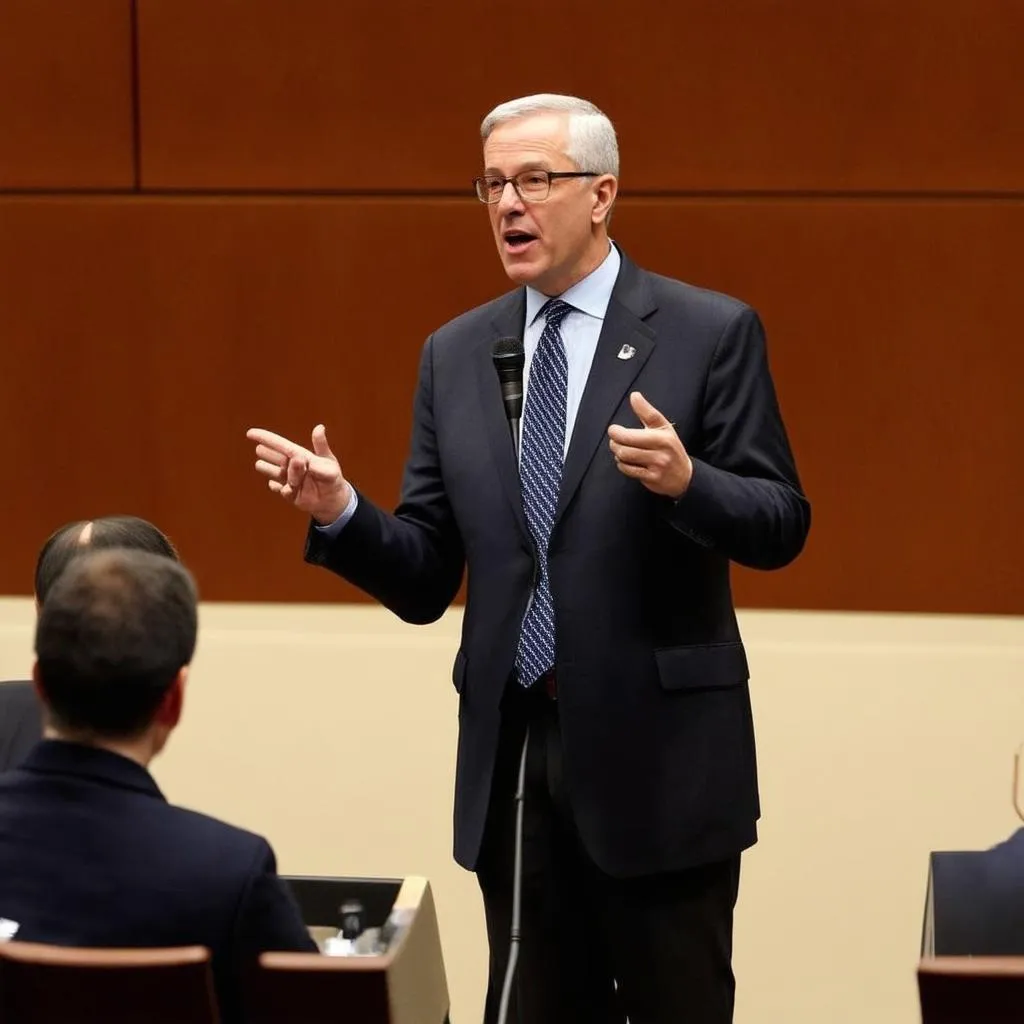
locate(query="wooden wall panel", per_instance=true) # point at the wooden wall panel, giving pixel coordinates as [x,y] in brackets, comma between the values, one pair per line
[66,94]
[142,337]
[895,348]
[763,95]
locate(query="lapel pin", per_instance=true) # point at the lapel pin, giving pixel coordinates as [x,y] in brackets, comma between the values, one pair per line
[627,352]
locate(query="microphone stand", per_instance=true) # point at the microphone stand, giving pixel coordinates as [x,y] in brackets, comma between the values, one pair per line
[508,357]
[517,880]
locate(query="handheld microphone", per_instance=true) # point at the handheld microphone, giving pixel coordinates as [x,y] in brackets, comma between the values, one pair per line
[509,360]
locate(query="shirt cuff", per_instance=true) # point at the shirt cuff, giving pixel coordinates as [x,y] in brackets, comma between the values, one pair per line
[339,524]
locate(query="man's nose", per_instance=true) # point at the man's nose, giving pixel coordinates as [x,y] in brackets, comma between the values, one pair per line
[510,200]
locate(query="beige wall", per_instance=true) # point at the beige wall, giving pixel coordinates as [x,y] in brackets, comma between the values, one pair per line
[332,730]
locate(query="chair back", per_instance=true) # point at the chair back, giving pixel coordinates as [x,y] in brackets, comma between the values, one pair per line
[971,990]
[42,984]
[316,989]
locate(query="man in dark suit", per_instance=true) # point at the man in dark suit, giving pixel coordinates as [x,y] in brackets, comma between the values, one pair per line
[21,721]
[91,853]
[599,620]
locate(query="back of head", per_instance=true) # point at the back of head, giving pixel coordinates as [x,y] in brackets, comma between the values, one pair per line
[115,631]
[74,539]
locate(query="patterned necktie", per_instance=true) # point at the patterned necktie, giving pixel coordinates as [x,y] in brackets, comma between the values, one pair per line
[540,467]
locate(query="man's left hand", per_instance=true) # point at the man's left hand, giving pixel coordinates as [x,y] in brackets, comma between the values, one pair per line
[653,453]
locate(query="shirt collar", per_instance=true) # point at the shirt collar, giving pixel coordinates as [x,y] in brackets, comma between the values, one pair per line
[590,296]
[62,757]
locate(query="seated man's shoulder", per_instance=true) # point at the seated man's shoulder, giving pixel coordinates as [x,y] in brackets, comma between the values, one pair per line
[16,694]
[233,868]
[21,723]
[217,842]
[1009,853]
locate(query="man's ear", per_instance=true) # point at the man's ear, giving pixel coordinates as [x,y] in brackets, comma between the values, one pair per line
[37,682]
[606,188]
[169,712]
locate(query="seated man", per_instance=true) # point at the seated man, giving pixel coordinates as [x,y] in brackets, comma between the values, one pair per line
[978,900]
[20,713]
[91,853]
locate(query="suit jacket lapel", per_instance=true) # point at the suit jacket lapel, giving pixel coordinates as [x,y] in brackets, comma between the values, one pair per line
[508,323]
[610,377]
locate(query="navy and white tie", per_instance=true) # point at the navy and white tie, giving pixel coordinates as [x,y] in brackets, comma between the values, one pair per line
[540,467]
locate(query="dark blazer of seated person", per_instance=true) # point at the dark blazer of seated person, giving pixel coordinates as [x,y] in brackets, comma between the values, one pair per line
[978,899]
[91,853]
[20,722]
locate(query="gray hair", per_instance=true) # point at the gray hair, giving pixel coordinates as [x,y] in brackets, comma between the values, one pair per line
[592,143]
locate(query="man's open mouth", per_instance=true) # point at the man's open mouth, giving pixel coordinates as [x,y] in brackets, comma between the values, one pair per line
[516,240]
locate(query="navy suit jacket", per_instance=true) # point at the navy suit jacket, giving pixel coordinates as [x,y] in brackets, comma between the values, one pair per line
[652,675]
[21,725]
[92,854]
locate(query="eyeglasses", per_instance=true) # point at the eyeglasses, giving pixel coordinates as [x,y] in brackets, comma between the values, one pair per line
[530,186]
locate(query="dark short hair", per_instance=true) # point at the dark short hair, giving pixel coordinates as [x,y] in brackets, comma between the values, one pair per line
[107,532]
[115,630]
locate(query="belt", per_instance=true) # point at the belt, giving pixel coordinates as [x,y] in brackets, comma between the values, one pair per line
[547,683]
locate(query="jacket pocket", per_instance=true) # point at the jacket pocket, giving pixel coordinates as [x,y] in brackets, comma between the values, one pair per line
[702,666]
[459,671]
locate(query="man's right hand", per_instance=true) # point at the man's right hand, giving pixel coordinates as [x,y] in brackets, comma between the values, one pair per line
[310,480]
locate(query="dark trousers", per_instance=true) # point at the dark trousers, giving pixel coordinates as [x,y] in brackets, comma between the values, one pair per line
[594,949]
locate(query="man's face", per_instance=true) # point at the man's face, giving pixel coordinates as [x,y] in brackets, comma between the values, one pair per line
[555,243]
